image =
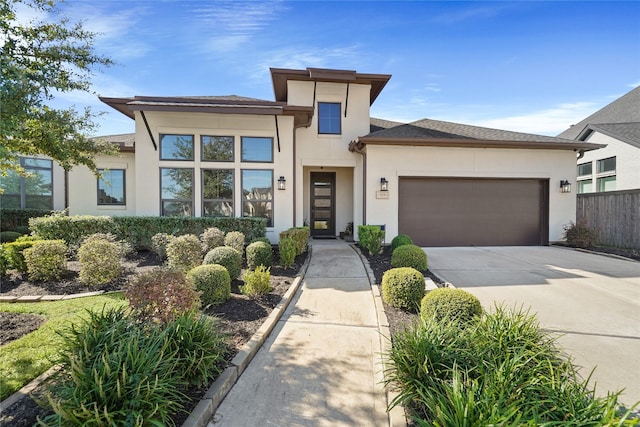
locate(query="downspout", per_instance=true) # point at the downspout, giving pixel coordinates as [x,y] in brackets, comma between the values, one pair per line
[346,101]
[356,149]
[580,154]
[66,190]
[153,141]
[277,132]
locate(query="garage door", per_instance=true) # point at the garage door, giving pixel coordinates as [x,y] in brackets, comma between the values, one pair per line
[474,212]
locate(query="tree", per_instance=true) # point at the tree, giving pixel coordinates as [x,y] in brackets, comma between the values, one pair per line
[37,60]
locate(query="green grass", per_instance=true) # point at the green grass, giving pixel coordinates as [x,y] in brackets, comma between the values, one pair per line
[24,359]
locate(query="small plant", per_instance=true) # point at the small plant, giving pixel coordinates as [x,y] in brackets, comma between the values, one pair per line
[371,238]
[579,235]
[235,239]
[409,256]
[46,260]
[213,282]
[184,253]
[100,262]
[287,249]
[399,240]
[212,238]
[4,261]
[159,243]
[257,282]
[450,304]
[259,253]
[228,257]
[403,288]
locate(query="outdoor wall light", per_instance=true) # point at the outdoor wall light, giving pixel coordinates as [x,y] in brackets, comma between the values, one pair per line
[384,184]
[282,183]
[565,186]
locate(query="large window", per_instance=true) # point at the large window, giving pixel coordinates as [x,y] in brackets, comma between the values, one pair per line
[257,194]
[111,187]
[584,169]
[217,148]
[585,186]
[257,149]
[176,191]
[217,192]
[607,165]
[607,183]
[606,175]
[34,190]
[176,147]
[329,121]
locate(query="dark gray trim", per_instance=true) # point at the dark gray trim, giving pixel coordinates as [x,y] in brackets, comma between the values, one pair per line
[153,141]
[193,190]
[124,187]
[233,148]
[233,192]
[255,161]
[193,148]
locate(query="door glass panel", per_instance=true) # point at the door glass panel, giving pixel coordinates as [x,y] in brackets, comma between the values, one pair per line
[322,203]
[323,192]
[323,214]
[321,225]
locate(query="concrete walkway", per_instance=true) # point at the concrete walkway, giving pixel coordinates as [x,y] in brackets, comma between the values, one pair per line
[321,365]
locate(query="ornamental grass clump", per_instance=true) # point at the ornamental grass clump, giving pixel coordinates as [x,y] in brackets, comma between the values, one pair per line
[228,257]
[409,256]
[259,254]
[46,260]
[403,288]
[257,282]
[452,304]
[213,282]
[184,253]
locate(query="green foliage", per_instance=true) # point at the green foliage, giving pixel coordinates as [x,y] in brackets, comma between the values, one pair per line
[18,219]
[399,240]
[228,257]
[371,238]
[579,235]
[287,249]
[15,253]
[452,304]
[211,238]
[213,281]
[159,243]
[409,255]
[71,229]
[184,253]
[161,295]
[403,288]
[100,262]
[9,236]
[299,235]
[4,261]
[259,253]
[235,239]
[257,282]
[46,260]
[262,239]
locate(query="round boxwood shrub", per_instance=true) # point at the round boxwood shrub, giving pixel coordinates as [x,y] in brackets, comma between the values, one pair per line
[100,262]
[403,288]
[226,256]
[400,240]
[409,256]
[211,238]
[184,253]
[259,253]
[213,281]
[46,260]
[449,303]
[235,239]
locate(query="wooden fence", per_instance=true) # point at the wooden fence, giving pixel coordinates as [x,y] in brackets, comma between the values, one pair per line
[614,216]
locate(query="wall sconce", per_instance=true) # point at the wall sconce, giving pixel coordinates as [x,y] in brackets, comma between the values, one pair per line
[565,186]
[384,184]
[282,183]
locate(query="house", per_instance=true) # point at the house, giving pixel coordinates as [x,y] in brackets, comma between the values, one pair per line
[616,167]
[315,157]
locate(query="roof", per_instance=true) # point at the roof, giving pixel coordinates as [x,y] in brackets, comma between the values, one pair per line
[376,124]
[626,132]
[126,141]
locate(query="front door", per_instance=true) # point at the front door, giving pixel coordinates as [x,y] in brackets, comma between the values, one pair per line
[323,200]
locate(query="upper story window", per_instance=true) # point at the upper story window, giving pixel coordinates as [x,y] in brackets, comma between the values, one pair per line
[257,149]
[329,118]
[585,169]
[607,165]
[32,191]
[111,187]
[176,147]
[217,148]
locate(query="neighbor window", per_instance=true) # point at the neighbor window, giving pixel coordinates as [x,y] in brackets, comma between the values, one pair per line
[111,187]
[585,169]
[217,148]
[256,149]
[607,165]
[607,183]
[176,147]
[32,191]
[257,194]
[329,118]
[176,192]
[585,186]
[217,192]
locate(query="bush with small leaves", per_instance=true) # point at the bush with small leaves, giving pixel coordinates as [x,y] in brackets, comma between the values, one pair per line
[100,262]
[403,288]
[159,243]
[257,282]
[226,256]
[161,295]
[9,236]
[262,239]
[211,238]
[259,253]
[371,238]
[125,247]
[184,253]
[46,260]
[409,256]
[579,235]
[287,249]
[399,240]
[213,281]
[4,261]
[450,304]
[235,239]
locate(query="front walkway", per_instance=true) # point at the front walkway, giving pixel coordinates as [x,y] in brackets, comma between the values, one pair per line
[321,365]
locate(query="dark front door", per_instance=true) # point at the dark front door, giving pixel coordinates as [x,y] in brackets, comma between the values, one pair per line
[323,201]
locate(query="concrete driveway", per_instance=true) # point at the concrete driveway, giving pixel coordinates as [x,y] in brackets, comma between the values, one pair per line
[592,300]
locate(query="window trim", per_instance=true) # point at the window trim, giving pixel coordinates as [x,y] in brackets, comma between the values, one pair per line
[192,201]
[606,172]
[270,222]
[22,181]
[339,132]
[193,143]
[124,187]
[585,164]
[233,148]
[203,200]
[242,159]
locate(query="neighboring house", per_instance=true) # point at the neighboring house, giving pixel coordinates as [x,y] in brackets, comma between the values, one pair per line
[617,166]
[315,156]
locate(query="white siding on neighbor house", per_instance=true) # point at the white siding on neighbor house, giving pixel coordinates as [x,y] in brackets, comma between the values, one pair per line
[395,162]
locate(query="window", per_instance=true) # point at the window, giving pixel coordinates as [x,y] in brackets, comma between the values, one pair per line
[217,148]
[257,194]
[32,191]
[329,118]
[607,183]
[176,147]
[111,187]
[585,169]
[607,165]
[217,192]
[585,186]
[176,192]
[257,149]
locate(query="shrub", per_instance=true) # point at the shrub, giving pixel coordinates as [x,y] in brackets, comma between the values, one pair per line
[125,247]
[46,260]
[409,256]
[399,240]
[71,229]
[14,252]
[259,253]
[159,243]
[257,282]
[287,249]
[235,239]
[403,288]
[228,257]
[450,304]
[184,253]
[18,219]
[579,235]
[213,282]
[161,295]
[211,238]
[4,261]
[100,262]
[300,236]
[9,236]
[371,238]
[262,239]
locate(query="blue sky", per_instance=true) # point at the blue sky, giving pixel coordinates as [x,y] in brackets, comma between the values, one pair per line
[530,66]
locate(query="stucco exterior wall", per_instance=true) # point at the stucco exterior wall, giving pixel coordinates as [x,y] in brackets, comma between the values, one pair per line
[627,160]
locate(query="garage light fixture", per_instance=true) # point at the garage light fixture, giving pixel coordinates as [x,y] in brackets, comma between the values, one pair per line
[565,186]
[384,184]
[282,183]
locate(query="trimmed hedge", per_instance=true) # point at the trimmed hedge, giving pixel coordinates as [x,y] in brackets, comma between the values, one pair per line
[14,253]
[403,288]
[450,304]
[400,240]
[409,256]
[228,257]
[213,281]
[259,253]
[300,236]
[16,219]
